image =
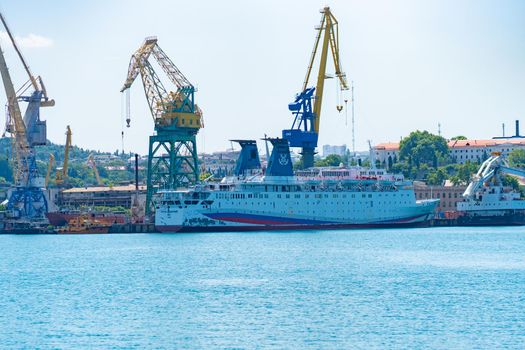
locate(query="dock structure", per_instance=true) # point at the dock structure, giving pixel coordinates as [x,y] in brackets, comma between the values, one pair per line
[133,228]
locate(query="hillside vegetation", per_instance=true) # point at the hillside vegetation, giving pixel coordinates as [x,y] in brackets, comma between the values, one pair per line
[109,165]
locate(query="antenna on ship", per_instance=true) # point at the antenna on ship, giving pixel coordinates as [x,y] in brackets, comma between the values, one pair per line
[267,150]
[372,160]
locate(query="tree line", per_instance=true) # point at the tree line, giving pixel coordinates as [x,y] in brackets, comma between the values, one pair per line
[426,157]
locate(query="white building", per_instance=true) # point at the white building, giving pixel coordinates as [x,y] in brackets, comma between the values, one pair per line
[219,164]
[479,150]
[461,151]
[332,149]
[385,153]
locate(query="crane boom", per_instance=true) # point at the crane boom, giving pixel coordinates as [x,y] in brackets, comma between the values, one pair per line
[91,162]
[490,170]
[329,26]
[49,167]
[19,53]
[171,70]
[66,153]
[15,122]
[137,60]
[155,92]
[62,174]
[142,55]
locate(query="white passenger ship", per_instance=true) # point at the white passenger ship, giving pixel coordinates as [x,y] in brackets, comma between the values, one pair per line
[318,198]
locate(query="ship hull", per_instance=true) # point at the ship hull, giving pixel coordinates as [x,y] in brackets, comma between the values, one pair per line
[243,226]
[496,220]
[59,219]
[87,230]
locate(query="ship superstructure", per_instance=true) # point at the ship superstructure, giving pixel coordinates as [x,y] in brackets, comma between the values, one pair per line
[323,198]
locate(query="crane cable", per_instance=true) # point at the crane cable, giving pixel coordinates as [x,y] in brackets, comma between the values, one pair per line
[338,96]
[122,120]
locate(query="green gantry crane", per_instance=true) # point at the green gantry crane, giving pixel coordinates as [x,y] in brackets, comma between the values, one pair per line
[172,161]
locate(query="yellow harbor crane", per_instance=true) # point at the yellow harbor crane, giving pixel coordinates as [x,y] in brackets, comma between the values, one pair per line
[61,173]
[172,156]
[305,128]
[50,166]
[93,165]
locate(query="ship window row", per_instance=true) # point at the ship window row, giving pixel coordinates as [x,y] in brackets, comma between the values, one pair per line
[240,195]
[438,195]
[306,195]
[349,205]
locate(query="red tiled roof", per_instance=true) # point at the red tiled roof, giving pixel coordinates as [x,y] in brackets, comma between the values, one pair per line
[394,146]
[387,146]
[485,143]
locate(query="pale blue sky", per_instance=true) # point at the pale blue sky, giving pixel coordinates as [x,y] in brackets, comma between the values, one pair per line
[414,64]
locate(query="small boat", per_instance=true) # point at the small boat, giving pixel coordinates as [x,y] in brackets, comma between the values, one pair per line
[84,224]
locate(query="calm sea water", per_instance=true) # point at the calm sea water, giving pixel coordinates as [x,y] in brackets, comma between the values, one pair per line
[437,288]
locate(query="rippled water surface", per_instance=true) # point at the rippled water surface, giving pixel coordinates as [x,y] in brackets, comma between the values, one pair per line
[412,288]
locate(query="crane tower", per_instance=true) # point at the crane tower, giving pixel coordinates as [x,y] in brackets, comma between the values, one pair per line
[172,161]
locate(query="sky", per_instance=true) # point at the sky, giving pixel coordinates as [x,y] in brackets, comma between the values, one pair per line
[414,64]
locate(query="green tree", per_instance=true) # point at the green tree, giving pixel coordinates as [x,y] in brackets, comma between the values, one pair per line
[298,165]
[516,158]
[459,137]
[422,147]
[511,181]
[456,181]
[464,171]
[330,160]
[437,176]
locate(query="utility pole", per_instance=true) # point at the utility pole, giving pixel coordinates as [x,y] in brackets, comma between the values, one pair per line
[353,121]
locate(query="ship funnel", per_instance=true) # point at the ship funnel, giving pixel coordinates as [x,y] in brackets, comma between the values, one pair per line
[280,163]
[249,157]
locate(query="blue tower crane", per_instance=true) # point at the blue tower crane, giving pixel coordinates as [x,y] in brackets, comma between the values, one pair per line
[27,204]
[304,132]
